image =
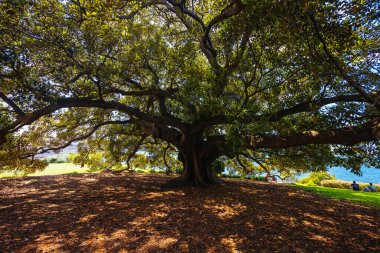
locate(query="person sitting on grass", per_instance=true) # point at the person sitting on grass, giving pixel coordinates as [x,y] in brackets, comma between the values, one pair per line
[372,188]
[355,186]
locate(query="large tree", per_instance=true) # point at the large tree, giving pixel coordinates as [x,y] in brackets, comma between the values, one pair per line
[292,84]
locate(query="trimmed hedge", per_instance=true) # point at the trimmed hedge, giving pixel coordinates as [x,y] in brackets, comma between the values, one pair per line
[344,184]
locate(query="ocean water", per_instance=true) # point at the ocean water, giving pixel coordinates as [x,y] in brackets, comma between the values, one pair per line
[370,174]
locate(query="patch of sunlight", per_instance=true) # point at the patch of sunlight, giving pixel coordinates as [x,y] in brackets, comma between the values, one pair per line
[253,190]
[226,211]
[319,218]
[311,224]
[157,243]
[95,243]
[5,207]
[297,194]
[87,218]
[152,195]
[112,202]
[291,221]
[330,209]
[90,180]
[60,168]
[373,196]
[231,243]
[119,234]
[371,234]
[48,243]
[53,191]
[366,223]
[159,214]
[70,192]
[114,188]
[321,238]
[141,221]
[250,225]
[101,236]
[177,193]
[361,216]
[52,205]
[246,189]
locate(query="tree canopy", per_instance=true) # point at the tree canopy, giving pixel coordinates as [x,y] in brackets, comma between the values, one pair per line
[289,84]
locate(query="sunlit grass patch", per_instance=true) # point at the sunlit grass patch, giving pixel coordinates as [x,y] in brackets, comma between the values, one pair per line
[370,198]
[52,169]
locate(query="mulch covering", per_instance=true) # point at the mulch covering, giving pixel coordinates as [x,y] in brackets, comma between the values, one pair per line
[132,213]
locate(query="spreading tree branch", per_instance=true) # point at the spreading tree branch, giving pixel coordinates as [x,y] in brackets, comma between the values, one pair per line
[79,138]
[57,104]
[369,131]
[12,104]
[340,66]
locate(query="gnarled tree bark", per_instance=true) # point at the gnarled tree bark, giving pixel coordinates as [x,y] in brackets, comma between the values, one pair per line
[197,159]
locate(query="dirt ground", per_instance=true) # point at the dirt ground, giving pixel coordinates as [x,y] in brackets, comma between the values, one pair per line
[131,213]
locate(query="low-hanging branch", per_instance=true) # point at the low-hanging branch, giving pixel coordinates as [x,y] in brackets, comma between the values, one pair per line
[276,116]
[61,103]
[76,139]
[315,104]
[367,132]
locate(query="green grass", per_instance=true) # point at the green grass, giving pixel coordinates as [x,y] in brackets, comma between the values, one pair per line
[52,169]
[369,198]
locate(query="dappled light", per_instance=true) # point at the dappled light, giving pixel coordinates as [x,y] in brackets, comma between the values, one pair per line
[225,211]
[131,212]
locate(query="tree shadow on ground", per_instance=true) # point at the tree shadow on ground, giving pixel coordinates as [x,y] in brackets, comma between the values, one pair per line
[124,213]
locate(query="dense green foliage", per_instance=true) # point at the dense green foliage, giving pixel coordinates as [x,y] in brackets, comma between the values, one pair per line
[285,86]
[315,178]
[218,166]
[369,198]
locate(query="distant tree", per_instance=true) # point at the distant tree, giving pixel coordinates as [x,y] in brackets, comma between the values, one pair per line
[218,166]
[294,84]
[163,157]
[316,177]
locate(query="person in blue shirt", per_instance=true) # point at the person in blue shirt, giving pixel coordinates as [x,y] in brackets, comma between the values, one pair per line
[372,188]
[355,186]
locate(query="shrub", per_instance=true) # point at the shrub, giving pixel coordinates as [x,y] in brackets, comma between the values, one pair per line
[259,178]
[57,159]
[52,160]
[336,184]
[315,178]
[343,184]
[178,170]
[71,157]
[218,166]
[156,171]
[74,173]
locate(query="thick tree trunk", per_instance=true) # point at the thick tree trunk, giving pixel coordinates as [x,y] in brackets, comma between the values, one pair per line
[197,171]
[197,165]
